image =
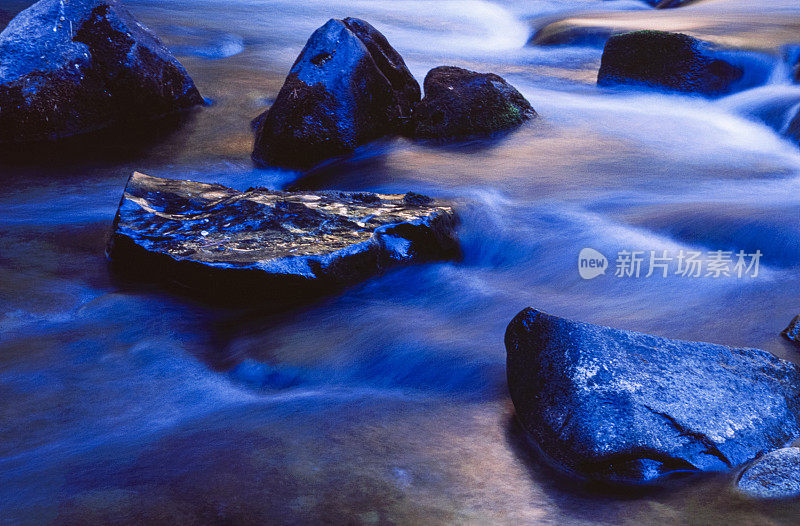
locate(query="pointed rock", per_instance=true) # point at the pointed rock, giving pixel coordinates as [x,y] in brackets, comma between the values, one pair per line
[347,87]
[792,332]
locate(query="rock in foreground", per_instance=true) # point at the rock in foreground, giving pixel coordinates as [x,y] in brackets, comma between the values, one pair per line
[459,103]
[668,61]
[626,407]
[792,332]
[79,66]
[347,87]
[270,246]
[773,476]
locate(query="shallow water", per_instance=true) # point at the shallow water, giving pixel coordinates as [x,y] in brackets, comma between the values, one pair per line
[120,401]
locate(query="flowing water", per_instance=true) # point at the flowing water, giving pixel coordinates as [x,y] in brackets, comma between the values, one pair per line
[388,403]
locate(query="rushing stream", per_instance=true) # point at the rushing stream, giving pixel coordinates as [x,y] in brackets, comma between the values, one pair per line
[388,403]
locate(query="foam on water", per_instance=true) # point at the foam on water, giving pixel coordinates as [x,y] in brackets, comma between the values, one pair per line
[102,370]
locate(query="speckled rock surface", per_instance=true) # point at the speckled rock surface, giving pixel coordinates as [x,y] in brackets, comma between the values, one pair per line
[667,61]
[78,66]
[626,407]
[460,103]
[348,87]
[773,476]
[264,244]
[792,332]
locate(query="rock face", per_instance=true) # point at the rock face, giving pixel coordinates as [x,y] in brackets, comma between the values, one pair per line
[72,67]
[459,103]
[668,61]
[270,246]
[792,332]
[347,87]
[626,407]
[775,475]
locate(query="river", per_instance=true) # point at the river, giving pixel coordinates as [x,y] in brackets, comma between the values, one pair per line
[388,403]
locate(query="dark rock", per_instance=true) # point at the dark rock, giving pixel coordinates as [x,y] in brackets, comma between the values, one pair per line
[459,103]
[626,407]
[668,61]
[347,87]
[792,332]
[670,4]
[793,130]
[74,67]
[269,246]
[773,476]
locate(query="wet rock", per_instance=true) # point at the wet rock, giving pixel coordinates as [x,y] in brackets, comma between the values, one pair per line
[563,33]
[74,67]
[793,129]
[625,407]
[775,475]
[797,71]
[668,61]
[670,4]
[459,103]
[347,87]
[270,246]
[792,332]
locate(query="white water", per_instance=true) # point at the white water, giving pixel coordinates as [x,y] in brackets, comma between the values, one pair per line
[127,402]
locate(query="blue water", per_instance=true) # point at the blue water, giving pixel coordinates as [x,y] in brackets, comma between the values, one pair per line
[122,402]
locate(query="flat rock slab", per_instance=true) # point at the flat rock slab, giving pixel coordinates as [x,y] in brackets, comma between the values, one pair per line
[776,475]
[625,407]
[266,245]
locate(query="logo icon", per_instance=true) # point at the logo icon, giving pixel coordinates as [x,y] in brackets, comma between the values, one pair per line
[591,263]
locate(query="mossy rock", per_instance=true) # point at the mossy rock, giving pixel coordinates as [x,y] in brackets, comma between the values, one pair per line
[460,104]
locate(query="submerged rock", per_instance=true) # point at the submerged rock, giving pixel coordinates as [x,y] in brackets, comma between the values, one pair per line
[74,67]
[625,407]
[347,87]
[563,33]
[793,129]
[669,61]
[792,332]
[270,246]
[773,476]
[459,103]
